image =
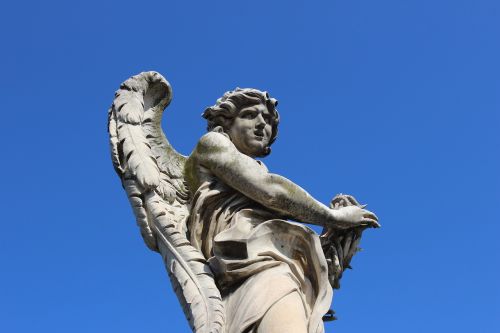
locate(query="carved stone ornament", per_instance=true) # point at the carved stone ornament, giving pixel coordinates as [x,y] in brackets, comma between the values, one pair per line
[220,219]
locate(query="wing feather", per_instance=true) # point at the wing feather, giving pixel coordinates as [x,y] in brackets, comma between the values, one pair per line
[152,176]
[113,141]
[137,154]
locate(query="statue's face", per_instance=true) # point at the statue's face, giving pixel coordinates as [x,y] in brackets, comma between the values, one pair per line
[251,130]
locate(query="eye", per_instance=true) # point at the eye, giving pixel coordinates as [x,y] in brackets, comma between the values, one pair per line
[248,115]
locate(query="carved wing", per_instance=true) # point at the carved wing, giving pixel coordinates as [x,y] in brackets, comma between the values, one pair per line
[340,246]
[151,172]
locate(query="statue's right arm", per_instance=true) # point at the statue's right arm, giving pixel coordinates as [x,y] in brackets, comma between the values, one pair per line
[218,154]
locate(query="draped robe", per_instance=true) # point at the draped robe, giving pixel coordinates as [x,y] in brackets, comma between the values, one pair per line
[257,258]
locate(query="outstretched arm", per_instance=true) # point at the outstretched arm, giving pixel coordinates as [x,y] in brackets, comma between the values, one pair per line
[217,153]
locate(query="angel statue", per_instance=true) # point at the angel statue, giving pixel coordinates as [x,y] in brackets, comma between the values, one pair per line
[221,220]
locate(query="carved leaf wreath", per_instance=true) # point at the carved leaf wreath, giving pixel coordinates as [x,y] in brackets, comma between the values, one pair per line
[340,246]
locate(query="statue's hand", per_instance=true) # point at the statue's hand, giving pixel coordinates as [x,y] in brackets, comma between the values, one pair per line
[354,216]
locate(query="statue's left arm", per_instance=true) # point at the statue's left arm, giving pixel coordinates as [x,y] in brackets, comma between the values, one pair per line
[217,153]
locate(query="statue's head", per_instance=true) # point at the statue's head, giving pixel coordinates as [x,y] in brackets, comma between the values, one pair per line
[249,117]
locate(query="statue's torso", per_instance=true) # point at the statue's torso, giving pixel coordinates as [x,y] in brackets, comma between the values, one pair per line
[257,258]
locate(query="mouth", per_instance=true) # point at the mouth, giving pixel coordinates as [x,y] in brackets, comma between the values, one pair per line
[259,135]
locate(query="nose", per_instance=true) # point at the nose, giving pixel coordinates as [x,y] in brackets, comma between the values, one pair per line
[261,122]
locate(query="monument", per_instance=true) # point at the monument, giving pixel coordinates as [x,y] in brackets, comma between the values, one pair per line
[223,223]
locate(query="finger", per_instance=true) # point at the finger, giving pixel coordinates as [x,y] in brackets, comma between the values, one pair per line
[370,215]
[372,223]
[367,222]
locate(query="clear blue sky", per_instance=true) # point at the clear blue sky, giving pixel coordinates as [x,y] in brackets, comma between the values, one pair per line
[396,102]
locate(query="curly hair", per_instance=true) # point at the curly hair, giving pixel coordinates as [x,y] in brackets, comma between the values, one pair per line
[232,102]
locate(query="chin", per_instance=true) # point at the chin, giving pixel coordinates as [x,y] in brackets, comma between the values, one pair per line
[256,149]
[261,152]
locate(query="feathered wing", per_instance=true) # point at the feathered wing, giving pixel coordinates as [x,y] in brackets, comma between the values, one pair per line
[340,246]
[151,172]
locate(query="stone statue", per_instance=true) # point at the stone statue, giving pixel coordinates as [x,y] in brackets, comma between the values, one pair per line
[219,218]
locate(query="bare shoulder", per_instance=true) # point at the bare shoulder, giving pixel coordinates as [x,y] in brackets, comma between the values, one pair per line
[212,150]
[213,142]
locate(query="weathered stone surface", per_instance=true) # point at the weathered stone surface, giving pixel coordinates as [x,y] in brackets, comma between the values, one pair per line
[219,218]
